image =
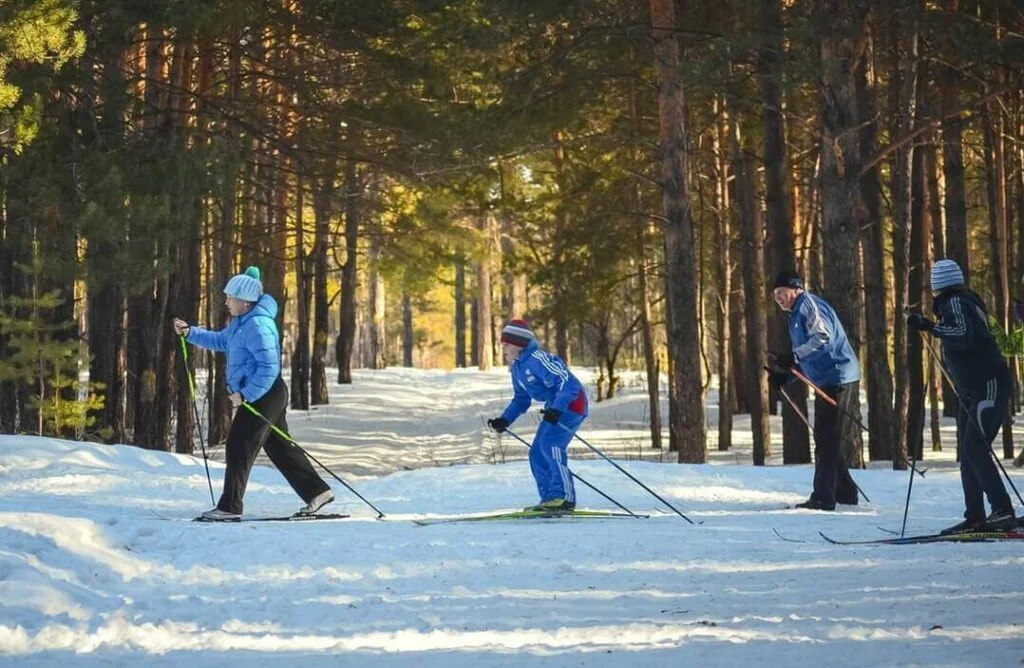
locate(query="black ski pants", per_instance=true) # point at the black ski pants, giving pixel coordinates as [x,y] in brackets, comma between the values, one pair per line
[832,480]
[977,423]
[248,433]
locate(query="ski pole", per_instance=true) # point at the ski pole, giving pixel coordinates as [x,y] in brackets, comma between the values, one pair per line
[285,436]
[807,422]
[906,504]
[970,416]
[576,476]
[195,409]
[627,473]
[835,404]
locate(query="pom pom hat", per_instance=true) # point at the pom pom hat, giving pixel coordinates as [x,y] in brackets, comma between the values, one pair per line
[517,333]
[245,286]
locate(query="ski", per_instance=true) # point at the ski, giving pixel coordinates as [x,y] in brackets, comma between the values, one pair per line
[787,539]
[283,518]
[532,515]
[970,537]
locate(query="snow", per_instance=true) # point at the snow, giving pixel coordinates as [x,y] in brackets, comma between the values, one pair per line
[101,565]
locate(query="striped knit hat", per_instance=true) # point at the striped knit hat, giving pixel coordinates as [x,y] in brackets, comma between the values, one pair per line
[946,273]
[517,333]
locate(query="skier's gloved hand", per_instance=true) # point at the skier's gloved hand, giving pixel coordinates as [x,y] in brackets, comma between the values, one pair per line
[782,361]
[551,415]
[919,322]
[777,378]
[498,424]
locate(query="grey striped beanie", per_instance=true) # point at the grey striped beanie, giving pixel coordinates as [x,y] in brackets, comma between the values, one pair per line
[946,273]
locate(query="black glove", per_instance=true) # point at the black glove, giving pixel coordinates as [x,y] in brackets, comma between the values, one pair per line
[782,361]
[498,424]
[777,378]
[551,415]
[919,322]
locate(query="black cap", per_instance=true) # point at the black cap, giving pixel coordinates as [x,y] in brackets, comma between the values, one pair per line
[788,279]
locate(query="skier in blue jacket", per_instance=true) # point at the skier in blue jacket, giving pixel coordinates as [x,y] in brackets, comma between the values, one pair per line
[254,376]
[541,376]
[823,353]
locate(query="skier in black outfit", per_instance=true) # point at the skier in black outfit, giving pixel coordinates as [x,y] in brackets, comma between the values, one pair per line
[982,381]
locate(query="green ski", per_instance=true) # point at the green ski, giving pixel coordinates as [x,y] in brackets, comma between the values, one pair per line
[533,515]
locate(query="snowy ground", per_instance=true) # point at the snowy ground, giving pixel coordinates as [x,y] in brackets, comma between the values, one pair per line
[100,565]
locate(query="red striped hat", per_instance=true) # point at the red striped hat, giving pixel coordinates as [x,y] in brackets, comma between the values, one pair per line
[517,333]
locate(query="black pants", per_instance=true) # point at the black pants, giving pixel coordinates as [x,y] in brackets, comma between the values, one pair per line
[832,480]
[248,433]
[983,407]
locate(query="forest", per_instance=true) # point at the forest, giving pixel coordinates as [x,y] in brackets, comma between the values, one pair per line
[409,174]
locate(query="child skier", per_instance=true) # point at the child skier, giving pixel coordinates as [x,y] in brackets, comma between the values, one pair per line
[254,375]
[541,376]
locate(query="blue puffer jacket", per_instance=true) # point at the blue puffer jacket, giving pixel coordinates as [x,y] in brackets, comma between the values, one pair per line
[820,344]
[541,376]
[251,342]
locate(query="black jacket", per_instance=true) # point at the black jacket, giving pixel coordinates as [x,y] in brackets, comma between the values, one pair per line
[969,350]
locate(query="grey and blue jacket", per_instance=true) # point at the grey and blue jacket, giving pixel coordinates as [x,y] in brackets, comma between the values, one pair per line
[820,346]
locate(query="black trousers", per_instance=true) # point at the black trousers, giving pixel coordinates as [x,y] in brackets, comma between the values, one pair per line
[248,433]
[832,480]
[984,407]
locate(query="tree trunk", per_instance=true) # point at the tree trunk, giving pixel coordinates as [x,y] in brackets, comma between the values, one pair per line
[650,353]
[779,208]
[738,335]
[842,27]
[723,273]
[474,330]
[935,380]
[559,289]
[955,181]
[995,178]
[920,237]
[347,317]
[876,312]
[684,338]
[377,307]
[460,314]
[752,258]
[904,96]
[319,393]
[484,326]
[303,298]
[408,336]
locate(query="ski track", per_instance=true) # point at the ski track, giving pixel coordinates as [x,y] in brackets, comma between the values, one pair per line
[92,573]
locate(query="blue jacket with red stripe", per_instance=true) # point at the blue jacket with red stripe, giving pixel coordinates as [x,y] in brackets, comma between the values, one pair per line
[541,376]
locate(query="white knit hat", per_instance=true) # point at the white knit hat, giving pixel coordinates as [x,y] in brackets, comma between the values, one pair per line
[946,273]
[245,286]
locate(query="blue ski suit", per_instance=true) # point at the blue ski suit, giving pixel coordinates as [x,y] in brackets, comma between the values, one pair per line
[541,376]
